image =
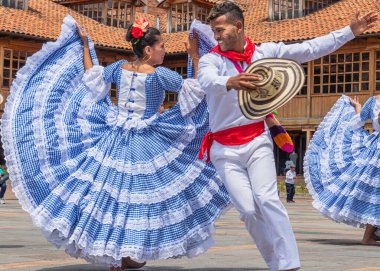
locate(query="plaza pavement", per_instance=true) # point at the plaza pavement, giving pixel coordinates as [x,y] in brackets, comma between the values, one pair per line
[323,244]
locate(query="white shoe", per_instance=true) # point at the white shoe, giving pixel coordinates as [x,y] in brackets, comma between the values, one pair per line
[2,201]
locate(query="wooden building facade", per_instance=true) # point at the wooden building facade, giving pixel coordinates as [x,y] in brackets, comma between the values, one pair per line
[352,70]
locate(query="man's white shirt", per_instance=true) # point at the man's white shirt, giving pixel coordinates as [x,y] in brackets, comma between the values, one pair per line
[215,70]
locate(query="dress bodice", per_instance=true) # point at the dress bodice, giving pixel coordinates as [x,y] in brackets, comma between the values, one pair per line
[132,98]
[140,95]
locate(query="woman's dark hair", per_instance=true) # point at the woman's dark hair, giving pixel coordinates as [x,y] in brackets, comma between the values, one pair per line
[149,38]
[228,8]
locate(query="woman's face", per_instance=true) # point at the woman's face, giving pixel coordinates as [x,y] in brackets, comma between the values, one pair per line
[156,52]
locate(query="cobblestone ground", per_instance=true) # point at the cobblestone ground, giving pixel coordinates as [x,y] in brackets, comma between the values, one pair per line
[323,244]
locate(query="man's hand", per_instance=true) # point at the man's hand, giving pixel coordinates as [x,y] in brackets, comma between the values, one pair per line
[360,24]
[243,81]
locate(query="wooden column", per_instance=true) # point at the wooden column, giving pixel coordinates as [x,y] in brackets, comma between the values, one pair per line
[309,88]
[308,135]
[271,10]
[169,21]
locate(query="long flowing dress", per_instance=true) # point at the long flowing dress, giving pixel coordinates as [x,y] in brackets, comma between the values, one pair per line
[105,181]
[342,164]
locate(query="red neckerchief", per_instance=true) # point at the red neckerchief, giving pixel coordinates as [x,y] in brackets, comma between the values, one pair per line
[235,56]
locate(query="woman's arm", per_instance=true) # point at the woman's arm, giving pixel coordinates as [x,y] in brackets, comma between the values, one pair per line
[192,48]
[356,104]
[86,49]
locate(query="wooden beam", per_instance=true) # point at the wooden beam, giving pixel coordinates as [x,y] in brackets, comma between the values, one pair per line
[309,87]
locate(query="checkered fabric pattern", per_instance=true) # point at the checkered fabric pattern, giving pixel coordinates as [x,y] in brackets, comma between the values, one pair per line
[101,190]
[342,165]
[206,42]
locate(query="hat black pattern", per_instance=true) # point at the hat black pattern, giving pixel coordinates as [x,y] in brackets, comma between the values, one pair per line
[282,80]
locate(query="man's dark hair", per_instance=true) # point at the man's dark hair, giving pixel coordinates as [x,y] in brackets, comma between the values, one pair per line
[228,8]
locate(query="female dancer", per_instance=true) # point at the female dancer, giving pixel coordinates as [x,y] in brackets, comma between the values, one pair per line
[342,166]
[108,182]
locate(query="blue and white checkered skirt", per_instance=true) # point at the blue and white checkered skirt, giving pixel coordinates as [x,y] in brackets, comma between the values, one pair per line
[99,190]
[342,168]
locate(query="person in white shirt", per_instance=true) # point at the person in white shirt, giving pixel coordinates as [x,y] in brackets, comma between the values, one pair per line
[246,163]
[289,182]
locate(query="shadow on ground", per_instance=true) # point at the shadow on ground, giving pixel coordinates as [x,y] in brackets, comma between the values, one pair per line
[11,246]
[88,267]
[337,242]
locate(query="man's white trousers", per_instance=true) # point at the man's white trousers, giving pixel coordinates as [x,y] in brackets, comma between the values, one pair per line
[249,174]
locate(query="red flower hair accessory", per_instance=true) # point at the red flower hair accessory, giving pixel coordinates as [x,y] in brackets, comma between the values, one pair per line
[140,26]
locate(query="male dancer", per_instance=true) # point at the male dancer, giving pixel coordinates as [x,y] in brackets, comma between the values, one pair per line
[242,149]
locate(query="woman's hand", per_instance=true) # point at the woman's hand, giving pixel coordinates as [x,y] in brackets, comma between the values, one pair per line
[356,104]
[87,61]
[192,46]
[83,34]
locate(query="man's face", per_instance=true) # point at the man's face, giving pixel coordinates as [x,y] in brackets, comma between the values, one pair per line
[226,33]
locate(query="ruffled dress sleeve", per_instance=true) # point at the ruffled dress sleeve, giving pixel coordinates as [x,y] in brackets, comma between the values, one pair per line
[190,93]
[376,112]
[98,79]
[366,113]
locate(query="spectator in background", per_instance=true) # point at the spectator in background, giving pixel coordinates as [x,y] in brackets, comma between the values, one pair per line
[289,182]
[293,157]
[3,185]
[288,163]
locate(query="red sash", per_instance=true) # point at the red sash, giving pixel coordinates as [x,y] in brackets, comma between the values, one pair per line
[231,137]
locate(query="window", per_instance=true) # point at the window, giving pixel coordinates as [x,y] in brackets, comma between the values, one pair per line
[94,11]
[286,9]
[182,14]
[181,70]
[290,9]
[170,97]
[13,61]
[181,17]
[377,80]
[18,4]
[341,73]
[202,13]
[119,14]
[112,13]
[314,5]
[303,90]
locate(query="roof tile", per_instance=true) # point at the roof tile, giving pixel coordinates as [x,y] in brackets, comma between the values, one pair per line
[44,17]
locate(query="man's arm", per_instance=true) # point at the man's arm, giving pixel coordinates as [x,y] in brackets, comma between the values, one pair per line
[321,46]
[212,82]
[208,75]
[314,48]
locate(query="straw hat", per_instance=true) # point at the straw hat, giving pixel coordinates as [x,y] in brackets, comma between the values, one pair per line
[282,80]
